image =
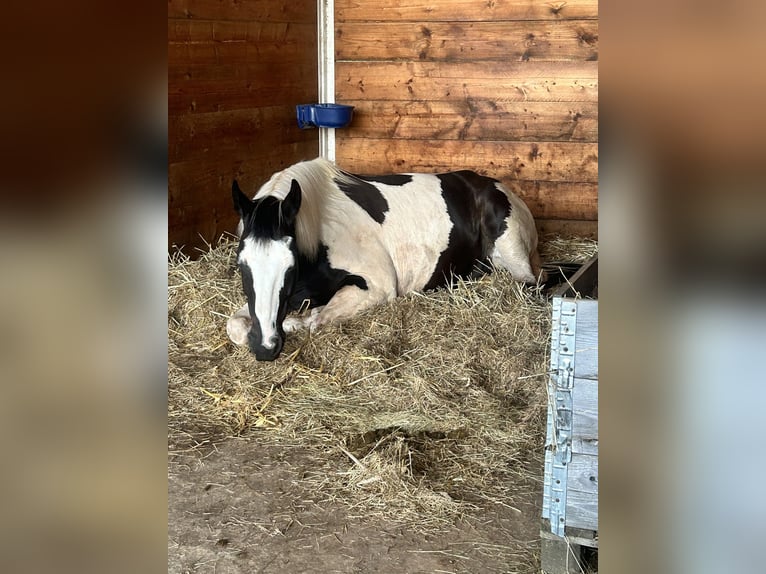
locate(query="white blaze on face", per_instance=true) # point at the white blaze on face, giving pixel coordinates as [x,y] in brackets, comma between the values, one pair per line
[268,262]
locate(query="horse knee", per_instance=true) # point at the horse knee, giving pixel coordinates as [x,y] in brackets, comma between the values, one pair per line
[237,328]
[294,324]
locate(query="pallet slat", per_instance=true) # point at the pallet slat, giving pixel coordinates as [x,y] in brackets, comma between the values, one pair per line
[585,405]
[583,474]
[586,340]
[582,509]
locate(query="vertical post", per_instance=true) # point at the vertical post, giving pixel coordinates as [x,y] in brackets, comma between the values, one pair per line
[326,51]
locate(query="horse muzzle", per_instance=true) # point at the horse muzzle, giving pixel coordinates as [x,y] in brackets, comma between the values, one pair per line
[263,352]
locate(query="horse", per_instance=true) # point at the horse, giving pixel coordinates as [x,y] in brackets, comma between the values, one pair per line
[316,237]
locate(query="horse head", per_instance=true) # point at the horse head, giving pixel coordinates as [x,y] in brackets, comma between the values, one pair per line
[267,257]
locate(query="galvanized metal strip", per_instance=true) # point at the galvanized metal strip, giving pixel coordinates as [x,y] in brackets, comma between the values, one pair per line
[559,443]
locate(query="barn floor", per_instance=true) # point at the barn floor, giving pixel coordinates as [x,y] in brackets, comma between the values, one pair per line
[244,508]
[408,439]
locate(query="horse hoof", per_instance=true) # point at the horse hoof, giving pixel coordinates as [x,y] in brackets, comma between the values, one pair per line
[293,325]
[237,328]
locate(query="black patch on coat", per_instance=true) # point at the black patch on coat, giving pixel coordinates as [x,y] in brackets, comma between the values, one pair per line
[247,287]
[317,281]
[394,179]
[477,210]
[365,195]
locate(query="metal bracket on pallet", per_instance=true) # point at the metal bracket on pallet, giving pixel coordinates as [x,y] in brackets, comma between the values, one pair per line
[558,446]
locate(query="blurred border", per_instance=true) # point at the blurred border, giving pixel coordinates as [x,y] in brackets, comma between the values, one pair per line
[683,254]
[83,252]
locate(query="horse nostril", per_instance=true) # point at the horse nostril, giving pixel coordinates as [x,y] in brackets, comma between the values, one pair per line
[267,353]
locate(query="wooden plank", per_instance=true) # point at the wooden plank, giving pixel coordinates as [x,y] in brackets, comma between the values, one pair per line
[263,10]
[209,43]
[199,193]
[582,474]
[583,283]
[475,119]
[194,182]
[254,32]
[464,10]
[586,340]
[585,408]
[584,537]
[558,199]
[211,90]
[496,81]
[567,228]
[493,40]
[254,74]
[584,446]
[582,509]
[237,133]
[546,161]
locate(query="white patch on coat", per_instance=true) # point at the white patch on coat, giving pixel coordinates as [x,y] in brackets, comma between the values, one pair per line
[416,230]
[514,247]
[268,262]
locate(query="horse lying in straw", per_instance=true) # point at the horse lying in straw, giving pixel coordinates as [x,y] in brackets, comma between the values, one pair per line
[317,237]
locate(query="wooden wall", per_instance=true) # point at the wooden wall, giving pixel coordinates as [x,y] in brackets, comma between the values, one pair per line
[236,70]
[506,87]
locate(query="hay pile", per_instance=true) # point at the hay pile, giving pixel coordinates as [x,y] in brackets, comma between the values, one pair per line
[419,410]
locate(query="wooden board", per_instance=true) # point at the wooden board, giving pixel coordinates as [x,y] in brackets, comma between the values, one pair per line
[197,137]
[456,81]
[582,475]
[460,40]
[582,492]
[586,340]
[546,161]
[585,446]
[585,408]
[199,200]
[205,43]
[567,227]
[458,84]
[474,119]
[236,70]
[219,88]
[558,199]
[583,283]
[464,10]
[261,11]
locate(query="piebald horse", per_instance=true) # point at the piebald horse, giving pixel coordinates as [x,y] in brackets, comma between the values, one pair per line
[317,237]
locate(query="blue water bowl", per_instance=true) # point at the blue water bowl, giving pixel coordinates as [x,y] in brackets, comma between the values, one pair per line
[324,115]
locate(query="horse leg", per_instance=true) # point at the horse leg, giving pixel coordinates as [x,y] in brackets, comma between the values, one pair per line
[512,253]
[349,301]
[238,326]
[295,324]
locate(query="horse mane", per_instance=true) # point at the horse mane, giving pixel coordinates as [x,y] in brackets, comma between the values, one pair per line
[319,194]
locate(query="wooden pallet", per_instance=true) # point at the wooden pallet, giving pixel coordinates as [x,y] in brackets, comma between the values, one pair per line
[571,474]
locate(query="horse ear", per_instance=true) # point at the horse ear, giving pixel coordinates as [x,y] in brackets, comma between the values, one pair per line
[242,203]
[291,204]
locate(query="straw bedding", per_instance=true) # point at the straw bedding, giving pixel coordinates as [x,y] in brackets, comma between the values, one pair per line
[420,410]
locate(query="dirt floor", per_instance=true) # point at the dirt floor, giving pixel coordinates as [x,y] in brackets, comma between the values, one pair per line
[244,507]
